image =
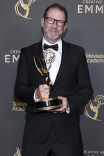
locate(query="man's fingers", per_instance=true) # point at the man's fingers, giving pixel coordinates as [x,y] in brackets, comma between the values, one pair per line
[60,97]
[42,91]
[44,86]
[63,106]
[50,83]
[59,110]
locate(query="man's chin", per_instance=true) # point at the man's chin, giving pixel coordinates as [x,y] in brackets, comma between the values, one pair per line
[54,38]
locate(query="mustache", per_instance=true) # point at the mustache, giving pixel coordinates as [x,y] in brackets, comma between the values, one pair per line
[54,29]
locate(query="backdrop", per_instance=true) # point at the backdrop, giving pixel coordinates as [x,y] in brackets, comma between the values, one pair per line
[20,26]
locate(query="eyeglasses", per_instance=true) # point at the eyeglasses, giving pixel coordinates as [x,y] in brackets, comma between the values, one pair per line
[50,20]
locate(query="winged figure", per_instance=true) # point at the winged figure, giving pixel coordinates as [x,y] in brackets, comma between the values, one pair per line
[24,6]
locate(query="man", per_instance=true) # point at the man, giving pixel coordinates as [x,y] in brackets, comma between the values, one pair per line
[55,131]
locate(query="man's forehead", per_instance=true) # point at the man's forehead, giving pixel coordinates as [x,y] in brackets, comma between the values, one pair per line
[56,13]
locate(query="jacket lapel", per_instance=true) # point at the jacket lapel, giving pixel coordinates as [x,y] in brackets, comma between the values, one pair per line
[66,50]
[38,53]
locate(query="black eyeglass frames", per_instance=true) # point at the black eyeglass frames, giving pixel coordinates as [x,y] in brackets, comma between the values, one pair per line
[50,20]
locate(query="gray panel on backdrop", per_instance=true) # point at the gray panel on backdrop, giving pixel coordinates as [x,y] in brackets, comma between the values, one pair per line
[85,28]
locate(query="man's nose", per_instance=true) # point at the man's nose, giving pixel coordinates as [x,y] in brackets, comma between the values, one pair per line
[55,24]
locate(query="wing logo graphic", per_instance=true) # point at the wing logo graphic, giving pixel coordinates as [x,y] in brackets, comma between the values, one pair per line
[98,101]
[25,7]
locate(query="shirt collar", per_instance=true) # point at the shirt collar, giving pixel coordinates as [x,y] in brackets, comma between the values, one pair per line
[59,44]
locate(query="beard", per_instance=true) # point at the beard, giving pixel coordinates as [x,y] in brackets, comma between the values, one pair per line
[51,37]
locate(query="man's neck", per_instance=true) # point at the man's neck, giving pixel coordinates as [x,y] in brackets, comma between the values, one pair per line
[50,41]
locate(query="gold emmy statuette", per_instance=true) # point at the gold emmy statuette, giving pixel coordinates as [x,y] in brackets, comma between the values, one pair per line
[45,104]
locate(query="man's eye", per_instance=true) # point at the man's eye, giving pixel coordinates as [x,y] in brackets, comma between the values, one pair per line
[51,19]
[60,22]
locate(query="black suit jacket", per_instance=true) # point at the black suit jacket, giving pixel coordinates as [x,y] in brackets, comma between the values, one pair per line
[72,81]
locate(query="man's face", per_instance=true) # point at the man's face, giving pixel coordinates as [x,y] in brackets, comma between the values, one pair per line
[52,32]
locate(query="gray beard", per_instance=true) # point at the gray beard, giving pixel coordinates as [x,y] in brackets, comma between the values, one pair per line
[53,38]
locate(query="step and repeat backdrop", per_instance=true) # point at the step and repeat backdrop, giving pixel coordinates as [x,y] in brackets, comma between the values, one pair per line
[20,27]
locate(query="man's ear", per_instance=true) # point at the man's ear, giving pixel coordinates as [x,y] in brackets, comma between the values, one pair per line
[66,24]
[42,22]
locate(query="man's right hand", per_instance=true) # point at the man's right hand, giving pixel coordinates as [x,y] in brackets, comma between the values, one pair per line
[42,91]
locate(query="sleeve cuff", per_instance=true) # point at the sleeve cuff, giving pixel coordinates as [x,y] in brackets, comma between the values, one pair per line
[68,110]
[36,100]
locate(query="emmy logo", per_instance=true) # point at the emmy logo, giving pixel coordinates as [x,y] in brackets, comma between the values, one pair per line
[99,101]
[18,153]
[24,6]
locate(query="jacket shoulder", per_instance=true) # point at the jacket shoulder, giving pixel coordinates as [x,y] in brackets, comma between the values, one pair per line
[74,46]
[29,48]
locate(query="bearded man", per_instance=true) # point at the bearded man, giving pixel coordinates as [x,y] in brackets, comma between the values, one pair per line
[55,131]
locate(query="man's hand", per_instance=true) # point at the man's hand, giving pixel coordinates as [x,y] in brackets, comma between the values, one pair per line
[63,106]
[42,91]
